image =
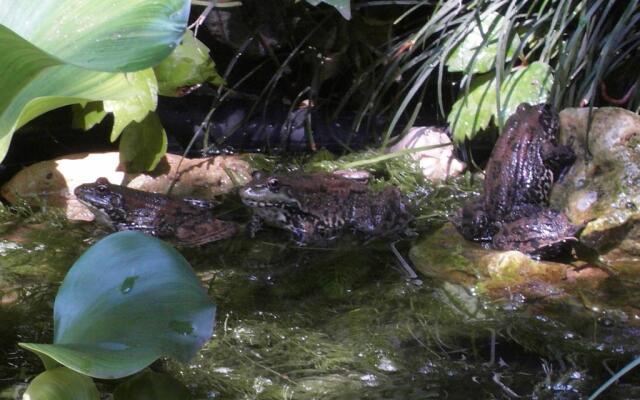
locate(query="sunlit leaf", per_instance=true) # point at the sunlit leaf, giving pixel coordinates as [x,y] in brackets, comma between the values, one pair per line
[52,52]
[343,6]
[88,115]
[472,113]
[143,144]
[135,107]
[477,51]
[128,300]
[149,385]
[188,65]
[61,384]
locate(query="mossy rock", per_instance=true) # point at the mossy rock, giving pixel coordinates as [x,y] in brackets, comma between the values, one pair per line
[446,255]
[602,188]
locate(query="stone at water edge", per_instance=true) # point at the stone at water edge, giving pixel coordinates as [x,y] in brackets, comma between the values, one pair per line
[436,164]
[602,189]
[446,255]
[52,182]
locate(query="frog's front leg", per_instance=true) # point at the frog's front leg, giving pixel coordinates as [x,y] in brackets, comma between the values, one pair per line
[255,224]
[558,158]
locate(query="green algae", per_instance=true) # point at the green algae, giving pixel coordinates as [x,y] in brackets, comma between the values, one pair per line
[339,322]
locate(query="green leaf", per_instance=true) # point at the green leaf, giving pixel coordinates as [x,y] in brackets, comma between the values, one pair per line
[343,6]
[188,65]
[135,107]
[476,53]
[143,144]
[86,116]
[149,385]
[127,301]
[61,384]
[55,52]
[472,113]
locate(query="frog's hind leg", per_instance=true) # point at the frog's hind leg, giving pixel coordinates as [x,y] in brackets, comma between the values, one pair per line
[205,231]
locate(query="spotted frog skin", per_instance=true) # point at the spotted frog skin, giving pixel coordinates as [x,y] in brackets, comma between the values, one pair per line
[184,222]
[318,207]
[512,213]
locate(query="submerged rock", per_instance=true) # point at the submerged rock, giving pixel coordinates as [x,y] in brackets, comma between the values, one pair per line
[51,183]
[602,189]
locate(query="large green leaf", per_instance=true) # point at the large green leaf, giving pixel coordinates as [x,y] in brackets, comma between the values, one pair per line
[343,6]
[476,53]
[143,144]
[59,52]
[473,112]
[188,65]
[61,384]
[128,300]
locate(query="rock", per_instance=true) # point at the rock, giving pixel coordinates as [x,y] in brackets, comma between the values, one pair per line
[438,163]
[51,183]
[602,189]
[446,255]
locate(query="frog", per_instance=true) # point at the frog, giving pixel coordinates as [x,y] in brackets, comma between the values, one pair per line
[319,207]
[184,222]
[513,211]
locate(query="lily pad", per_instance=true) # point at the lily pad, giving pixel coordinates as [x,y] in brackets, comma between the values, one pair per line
[127,301]
[61,384]
[61,52]
[476,53]
[473,112]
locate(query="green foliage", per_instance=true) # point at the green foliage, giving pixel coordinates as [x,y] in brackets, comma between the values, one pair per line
[149,385]
[343,6]
[61,52]
[582,43]
[136,107]
[143,144]
[188,65]
[476,53]
[473,112]
[128,300]
[61,384]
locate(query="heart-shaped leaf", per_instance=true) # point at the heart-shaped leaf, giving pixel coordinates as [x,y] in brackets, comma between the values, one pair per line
[61,384]
[60,52]
[473,112]
[128,300]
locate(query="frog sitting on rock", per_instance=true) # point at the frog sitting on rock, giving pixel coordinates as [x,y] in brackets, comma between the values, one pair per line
[513,213]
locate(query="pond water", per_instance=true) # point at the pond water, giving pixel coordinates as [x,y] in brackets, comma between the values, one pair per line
[330,323]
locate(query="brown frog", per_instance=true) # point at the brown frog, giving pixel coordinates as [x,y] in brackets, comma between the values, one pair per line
[185,222]
[512,213]
[318,207]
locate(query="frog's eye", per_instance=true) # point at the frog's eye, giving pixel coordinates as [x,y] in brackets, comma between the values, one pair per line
[257,175]
[273,184]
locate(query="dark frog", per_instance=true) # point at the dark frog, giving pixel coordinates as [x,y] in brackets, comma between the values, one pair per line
[512,213]
[318,207]
[186,222]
